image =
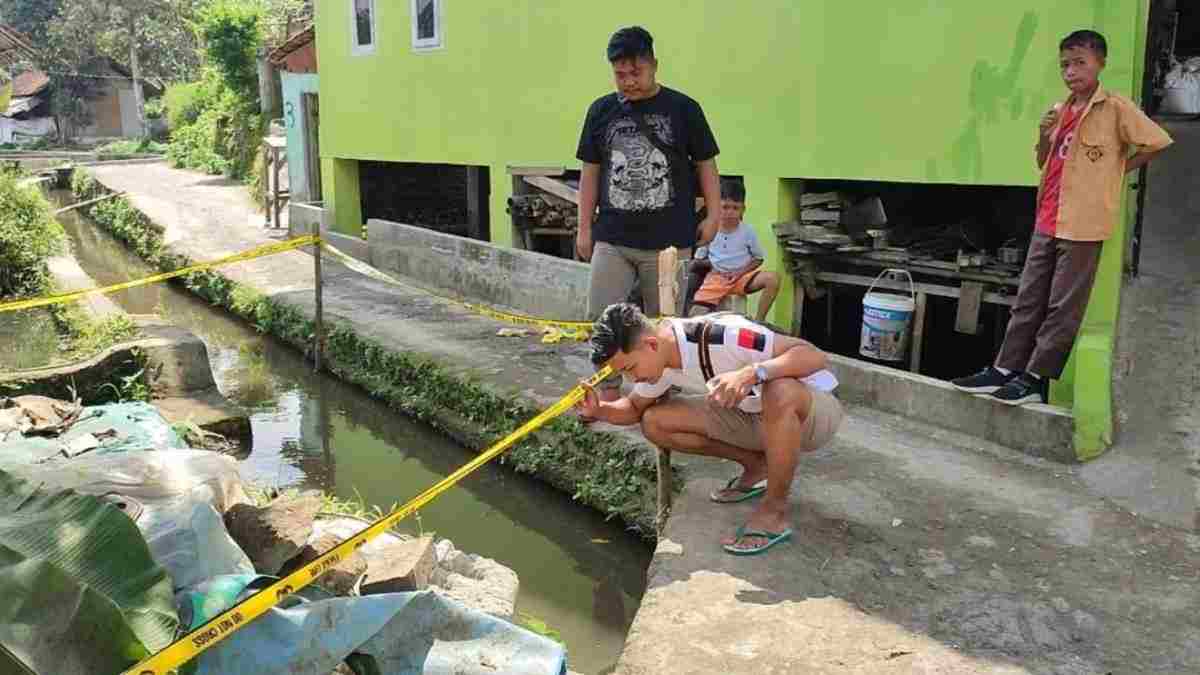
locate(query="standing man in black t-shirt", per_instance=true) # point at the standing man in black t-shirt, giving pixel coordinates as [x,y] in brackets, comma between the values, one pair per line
[646,151]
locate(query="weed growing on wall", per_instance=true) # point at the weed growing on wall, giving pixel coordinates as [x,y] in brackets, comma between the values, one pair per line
[605,471]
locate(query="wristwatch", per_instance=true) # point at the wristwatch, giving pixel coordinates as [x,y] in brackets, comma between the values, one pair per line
[760,373]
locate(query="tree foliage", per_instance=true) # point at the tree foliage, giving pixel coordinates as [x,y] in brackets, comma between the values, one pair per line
[161,30]
[231,31]
[30,17]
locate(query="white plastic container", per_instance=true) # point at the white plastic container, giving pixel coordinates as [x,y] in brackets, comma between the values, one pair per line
[886,319]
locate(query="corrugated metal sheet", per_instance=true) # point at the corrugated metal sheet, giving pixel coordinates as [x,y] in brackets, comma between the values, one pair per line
[30,83]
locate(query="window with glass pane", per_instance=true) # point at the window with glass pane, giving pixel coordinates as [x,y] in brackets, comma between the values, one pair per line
[426,20]
[364,23]
[427,30]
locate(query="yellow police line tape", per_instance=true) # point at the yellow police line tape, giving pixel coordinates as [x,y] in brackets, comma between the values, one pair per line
[223,625]
[268,249]
[555,330]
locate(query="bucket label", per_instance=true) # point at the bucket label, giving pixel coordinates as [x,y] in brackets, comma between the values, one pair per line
[884,333]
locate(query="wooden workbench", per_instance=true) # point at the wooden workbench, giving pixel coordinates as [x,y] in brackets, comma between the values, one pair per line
[991,284]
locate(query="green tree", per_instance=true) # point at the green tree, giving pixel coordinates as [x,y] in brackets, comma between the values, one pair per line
[30,17]
[231,31]
[154,38]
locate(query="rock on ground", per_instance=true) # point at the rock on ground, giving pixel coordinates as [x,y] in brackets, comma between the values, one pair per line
[476,582]
[343,578]
[399,565]
[276,533]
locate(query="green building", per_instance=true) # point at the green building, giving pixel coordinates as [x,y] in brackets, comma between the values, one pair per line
[909,92]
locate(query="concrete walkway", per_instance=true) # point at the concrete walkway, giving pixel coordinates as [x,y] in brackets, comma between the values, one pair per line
[917,550]
[1155,467]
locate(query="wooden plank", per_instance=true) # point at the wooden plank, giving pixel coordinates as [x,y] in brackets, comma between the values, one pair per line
[816,198]
[665,489]
[668,290]
[89,202]
[520,235]
[820,215]
[798,309]
[266,150]
[552,231]
[318,304]
[554,187]
[931,289]
[918,336]
[969,301]
[931,268]
[536,170]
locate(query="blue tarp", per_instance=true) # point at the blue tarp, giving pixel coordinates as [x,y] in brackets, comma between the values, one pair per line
[138,426]
[403,633]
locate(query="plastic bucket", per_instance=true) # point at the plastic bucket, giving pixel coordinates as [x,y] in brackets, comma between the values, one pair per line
[886,317]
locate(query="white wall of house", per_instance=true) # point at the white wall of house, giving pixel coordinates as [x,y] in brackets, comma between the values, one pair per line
[129,117]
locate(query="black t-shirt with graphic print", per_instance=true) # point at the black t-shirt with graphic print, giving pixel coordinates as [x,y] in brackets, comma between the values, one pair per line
[646,202]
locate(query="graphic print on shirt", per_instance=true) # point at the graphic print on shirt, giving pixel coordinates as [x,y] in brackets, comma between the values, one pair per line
[1065,144]
[639,175]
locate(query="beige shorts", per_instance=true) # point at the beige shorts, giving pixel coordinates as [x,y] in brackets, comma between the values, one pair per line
[745,430]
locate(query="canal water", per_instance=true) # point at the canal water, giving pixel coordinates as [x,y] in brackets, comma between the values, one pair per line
[580,574]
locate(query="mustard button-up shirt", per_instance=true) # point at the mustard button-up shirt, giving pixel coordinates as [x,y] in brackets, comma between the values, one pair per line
[1111,130]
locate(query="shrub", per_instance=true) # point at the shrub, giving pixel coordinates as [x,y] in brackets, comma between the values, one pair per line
[184,103]
[155,108]
[130,147]
[225,135]
[29,235]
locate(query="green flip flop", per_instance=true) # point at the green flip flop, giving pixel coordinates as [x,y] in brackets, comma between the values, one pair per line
[743,493]
[771,537]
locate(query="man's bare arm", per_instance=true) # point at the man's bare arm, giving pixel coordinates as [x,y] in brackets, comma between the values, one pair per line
[1141,159]
[623,412]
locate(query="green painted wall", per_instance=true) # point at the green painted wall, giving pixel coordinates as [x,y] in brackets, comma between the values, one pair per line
[903,90]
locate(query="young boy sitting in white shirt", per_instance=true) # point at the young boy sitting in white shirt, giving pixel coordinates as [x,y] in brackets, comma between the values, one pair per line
[735,256]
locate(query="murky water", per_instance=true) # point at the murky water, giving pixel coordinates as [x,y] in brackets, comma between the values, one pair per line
[28,339]
[580,574]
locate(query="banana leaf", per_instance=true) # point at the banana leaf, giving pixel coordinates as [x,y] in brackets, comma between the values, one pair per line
[79,592]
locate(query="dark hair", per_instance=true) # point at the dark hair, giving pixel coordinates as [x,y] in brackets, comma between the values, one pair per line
[1088,39]
[617,329]
[733,189]
[630,43]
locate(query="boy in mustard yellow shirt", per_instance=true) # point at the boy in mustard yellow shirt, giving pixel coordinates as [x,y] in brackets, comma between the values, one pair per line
[1085,147]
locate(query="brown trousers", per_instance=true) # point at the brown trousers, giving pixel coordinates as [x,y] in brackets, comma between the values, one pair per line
[1055,286]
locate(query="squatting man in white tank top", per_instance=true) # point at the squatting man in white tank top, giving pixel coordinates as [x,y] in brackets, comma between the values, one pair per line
[766,399]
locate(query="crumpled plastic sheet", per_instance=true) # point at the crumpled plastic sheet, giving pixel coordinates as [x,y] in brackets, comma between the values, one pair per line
[175,498]
[402,633]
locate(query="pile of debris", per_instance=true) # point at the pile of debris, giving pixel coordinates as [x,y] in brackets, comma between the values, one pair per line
[543,211]
[154,541]
[833,222]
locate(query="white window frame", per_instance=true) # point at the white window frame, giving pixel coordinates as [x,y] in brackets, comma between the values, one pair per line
[438,41]
[357,49]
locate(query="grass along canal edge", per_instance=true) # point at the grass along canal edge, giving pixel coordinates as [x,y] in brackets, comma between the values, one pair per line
[608,472]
